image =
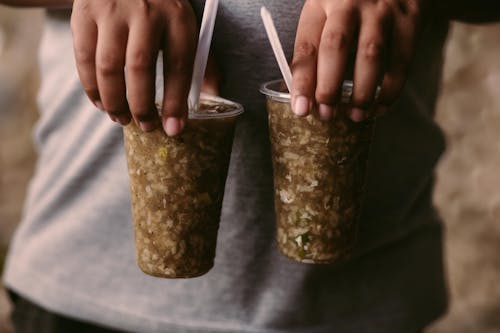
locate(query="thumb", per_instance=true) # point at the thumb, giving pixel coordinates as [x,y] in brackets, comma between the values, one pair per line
[211,81]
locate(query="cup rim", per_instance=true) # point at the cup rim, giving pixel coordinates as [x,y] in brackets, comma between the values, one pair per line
[216,99]
[270,92]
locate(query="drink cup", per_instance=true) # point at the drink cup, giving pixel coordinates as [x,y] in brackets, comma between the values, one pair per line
[177,187]
[319,171]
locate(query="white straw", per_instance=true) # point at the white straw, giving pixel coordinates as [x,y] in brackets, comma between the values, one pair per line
[200,61]
[277,48]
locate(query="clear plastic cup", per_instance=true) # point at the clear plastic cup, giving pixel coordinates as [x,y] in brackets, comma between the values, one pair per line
[319,172]
[177,187]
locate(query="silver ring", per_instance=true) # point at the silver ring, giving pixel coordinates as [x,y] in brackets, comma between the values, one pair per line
[348,89]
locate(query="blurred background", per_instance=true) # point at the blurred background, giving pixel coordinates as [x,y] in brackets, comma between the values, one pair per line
[468,188]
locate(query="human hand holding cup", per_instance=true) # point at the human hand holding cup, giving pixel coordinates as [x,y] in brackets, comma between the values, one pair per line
[177,182]
[319,167]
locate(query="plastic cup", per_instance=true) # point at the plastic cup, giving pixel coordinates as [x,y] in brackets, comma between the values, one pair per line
[177,187]
[319,171]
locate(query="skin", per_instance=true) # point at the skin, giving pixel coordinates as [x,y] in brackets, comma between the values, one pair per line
[382,31]
[111,35]
[116,43]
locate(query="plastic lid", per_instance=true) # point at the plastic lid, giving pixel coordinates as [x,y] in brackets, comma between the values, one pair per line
[205,99]
[276,90]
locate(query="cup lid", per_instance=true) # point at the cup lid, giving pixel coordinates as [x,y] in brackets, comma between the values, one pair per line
[275,90]
[206,99]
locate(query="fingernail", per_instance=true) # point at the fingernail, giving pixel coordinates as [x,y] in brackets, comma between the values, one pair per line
[124,120]
[325,112]
[301,106]
[357,114]
[173,126]
[99,105]
[147,126]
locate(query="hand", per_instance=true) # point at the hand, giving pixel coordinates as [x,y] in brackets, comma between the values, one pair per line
[116,44]
[382,31]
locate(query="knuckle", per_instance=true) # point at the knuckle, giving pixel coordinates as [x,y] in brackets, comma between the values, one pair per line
[335,40]
[371,50]
[109,65]
[143,7]
[141,61]
[109,6]
[402,7]
[384,9]
[81,7]
[412,7]
[409,7]
[84,56]
[305,50]
[181,10]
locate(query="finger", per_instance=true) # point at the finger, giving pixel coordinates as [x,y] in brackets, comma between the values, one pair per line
[369,67]
[357,114]
[84,32]
[140,70]
[211,81]
[110,63]
[334,48]
[178,67]
[305,55]
[403,47]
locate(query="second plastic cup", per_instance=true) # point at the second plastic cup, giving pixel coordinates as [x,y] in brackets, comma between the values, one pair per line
[177,187]
[319,171]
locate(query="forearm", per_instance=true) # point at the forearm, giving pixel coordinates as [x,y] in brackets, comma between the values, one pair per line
[474,11]
[38,3]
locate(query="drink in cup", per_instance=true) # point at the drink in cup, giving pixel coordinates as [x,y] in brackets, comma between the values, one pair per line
[319,170]
[177,186]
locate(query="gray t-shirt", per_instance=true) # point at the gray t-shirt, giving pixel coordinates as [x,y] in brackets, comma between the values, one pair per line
[73,252]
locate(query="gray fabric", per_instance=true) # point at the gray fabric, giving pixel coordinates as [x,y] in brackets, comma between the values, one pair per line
[73,252]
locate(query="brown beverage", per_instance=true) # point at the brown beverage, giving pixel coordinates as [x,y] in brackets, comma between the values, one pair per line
[319,170]
[177,186]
